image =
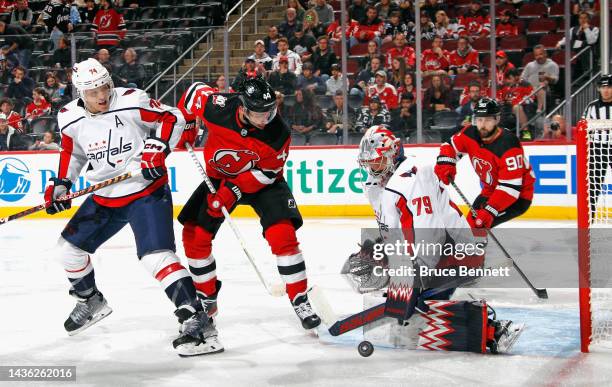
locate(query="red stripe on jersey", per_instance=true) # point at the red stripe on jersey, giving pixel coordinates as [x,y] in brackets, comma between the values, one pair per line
[166,271]
[167,120]
[125,200]
[81,269]
[65,156]
[452,204]
[406,221]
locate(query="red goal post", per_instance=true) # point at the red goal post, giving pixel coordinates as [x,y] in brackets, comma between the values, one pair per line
[594,205]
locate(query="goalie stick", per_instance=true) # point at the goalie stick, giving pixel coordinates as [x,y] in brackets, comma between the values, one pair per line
[540,293]
[85,191]
[276,290]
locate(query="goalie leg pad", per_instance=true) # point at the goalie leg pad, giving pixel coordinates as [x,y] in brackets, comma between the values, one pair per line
[290,262]
[198,246]
[166,267]
[78,267]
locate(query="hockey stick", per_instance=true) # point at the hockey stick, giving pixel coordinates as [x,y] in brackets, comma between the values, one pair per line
[540,293]
[276,290]
[71,196]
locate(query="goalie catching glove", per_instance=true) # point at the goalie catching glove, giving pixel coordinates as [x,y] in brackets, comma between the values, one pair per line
[359,269]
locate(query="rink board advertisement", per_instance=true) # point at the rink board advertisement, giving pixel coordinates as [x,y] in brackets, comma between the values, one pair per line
[326,181]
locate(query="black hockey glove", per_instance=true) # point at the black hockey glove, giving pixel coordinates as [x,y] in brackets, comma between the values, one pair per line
[53,191]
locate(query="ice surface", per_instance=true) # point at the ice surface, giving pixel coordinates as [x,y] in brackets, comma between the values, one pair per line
[265,344]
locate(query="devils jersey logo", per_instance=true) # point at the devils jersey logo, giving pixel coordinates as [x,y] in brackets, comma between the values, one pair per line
[233,162]
[483,169]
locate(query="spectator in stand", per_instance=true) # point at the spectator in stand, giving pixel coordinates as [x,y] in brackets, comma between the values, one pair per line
[383,90]
[298,9]
[403,119]
[514,95]
[401,50]
[366,77]
[502,66]
[475,21]
[438,96]
[337,81]
[385,8]
[68,96]
[53,88]
[435,60]
[373,52]
[397,72]
[219,85]
[62,56]
[407,13]
[582,35]
[7,6]
[323,58]
[271,41]
[248,70]
[372,114]
[334,118]
[21,86]
[131,73]
[444,27]
[5,72]
[311,24]
[263,61]
[75,16]
[395,26]
[428,29]
[542,71]
[22,15]
[108,26]
[557,130]
[506,26]
[308,81]
[432,7]
[407,86]
[466,110]
[370,28]
[334,31]
[89,11]
[302,44]
[357,10]
[39,106]
[8,136]
[281,109]
[282,79]
[305,116]
[325,12]
[103,56]
[14,119]
[485,91]
[56,19]
[17,44]
[47,143]
[464,59]
[288,27]
[295,62]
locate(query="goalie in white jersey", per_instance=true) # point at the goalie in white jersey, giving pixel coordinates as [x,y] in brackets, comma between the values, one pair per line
[107,132]
[413,206]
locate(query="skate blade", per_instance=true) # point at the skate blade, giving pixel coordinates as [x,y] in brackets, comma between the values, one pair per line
[209,347]
[508,340]
[105,312]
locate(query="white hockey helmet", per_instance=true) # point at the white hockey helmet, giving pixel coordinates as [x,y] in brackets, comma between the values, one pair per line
[378,151]
[90,74]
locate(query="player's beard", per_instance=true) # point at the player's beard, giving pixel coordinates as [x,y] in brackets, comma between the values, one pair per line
[487,134]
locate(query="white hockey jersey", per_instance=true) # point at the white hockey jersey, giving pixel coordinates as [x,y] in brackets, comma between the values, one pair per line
[415,201]
[111,143]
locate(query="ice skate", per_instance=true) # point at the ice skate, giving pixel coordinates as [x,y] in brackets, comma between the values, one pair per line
[87,312]
[304,311]
[198,334]
[506,334]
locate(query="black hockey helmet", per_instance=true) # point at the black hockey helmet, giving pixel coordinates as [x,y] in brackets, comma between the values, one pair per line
[257,95]
[487,107]
[605,80]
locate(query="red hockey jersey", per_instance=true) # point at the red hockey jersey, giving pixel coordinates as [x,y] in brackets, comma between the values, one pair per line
[516,93]
[478,23]
[505,29]
[250,158]
[469,61]
[370,31]
[430,61]
[109,27]
[334,31]
[500,73]
[407,53]
[501,165]
[388,95]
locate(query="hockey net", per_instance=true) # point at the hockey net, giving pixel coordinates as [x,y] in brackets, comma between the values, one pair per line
[594,195]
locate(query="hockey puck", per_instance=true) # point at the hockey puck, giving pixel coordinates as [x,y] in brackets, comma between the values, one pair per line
[365,348]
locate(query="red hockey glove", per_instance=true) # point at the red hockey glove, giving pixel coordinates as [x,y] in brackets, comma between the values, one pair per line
[483,219]
[153,161]
[446,169]
[227,195]
[53,191]
[190,133]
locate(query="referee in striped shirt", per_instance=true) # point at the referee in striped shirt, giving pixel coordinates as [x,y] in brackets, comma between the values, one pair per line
[600,159]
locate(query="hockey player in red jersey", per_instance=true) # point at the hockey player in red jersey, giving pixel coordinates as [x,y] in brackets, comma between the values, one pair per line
[499,162]
[245,153]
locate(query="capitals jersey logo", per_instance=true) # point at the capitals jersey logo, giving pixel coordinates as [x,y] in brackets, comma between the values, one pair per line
[233,162]
[483,169]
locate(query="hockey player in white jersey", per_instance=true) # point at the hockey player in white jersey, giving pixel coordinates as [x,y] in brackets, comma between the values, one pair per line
[412,205]
[107,132]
